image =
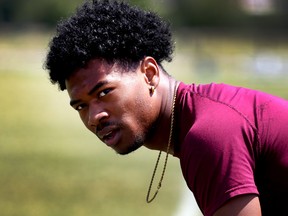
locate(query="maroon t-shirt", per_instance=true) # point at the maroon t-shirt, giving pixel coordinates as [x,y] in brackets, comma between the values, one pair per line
[233,141]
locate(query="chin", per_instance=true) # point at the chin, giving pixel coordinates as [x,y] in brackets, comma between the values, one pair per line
[139,142]
[127,151]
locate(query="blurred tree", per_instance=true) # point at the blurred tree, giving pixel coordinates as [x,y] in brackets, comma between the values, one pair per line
[204,12]
[7,10]
[44,12]
[188,13]
[228,13]
[27,12]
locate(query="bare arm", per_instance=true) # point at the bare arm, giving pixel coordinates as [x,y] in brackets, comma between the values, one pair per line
[244,205]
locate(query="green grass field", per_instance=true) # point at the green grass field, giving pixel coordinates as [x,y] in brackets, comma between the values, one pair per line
[51,166]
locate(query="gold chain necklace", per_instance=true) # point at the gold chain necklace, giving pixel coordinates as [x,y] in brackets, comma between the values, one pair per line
[148,199]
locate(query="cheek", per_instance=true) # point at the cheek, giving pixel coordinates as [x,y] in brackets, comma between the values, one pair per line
[133,106]
[140,110]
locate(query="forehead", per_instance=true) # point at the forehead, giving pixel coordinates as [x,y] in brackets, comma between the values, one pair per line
[97,70]
[95,67]
[94,71]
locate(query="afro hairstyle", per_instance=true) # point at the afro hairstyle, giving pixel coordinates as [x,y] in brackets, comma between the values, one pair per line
[108,29]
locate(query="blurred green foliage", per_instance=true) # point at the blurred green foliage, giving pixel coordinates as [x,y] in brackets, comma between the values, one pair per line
[226,13]
[27,12]
[199,13]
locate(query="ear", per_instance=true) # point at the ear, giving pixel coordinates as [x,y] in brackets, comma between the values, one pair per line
[150,69]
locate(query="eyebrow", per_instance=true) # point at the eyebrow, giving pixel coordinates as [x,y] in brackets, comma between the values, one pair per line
[95,88]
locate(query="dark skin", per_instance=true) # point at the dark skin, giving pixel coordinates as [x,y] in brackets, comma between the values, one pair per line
[119,108]
[243,205]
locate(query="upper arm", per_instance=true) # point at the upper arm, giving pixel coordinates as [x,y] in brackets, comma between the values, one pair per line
[243,205]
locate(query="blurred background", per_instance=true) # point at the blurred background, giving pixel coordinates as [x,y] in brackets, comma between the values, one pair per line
[50,165]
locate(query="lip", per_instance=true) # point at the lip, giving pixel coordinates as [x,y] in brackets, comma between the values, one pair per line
[109,135]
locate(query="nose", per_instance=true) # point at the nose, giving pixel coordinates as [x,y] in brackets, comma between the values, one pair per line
[96,115]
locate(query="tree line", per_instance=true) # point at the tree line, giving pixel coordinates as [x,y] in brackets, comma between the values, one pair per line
[188,13]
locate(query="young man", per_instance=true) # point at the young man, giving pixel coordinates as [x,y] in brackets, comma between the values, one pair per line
[232,142]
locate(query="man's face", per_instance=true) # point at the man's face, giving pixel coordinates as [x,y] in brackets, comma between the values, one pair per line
[113,104]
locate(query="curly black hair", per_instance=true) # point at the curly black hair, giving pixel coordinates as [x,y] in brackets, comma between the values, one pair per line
[107,29]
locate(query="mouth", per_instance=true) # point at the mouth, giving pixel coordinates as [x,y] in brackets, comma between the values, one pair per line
[109,135]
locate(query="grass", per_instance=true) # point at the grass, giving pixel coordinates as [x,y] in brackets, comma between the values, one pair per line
[50,164]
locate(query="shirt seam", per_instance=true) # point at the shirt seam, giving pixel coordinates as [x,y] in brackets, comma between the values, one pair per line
[258,149]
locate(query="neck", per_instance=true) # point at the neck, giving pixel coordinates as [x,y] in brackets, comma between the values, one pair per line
[166,91]
[172,98]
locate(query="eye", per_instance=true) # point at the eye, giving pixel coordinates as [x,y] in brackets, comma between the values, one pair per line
[79,107]
[104,92]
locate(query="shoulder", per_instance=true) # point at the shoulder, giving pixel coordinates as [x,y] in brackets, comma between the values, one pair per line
[216,154]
